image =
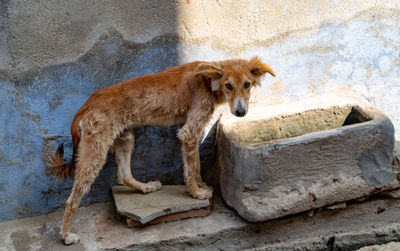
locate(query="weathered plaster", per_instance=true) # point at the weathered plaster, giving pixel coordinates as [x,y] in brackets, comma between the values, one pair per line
[356,47]
[61,32]
[234,26]
[37,112]
[355,55]
[53,55]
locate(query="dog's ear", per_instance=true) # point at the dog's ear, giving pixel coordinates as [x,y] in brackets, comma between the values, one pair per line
[211,73]
[258,68]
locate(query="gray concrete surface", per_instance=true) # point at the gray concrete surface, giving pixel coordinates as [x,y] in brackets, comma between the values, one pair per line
[392,246]
[374,221]
[269,179]
[146,207]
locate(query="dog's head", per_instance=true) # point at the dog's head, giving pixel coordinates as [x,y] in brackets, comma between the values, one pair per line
[234,79]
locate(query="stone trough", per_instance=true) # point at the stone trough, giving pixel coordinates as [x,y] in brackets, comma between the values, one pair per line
[289,158]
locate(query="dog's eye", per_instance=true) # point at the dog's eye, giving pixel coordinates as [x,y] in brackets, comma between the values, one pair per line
[229,87]
[246,85]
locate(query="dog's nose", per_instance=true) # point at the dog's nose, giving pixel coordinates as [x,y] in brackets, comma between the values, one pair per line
[240,113]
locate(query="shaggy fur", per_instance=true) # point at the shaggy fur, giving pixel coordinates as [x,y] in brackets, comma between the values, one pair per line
[184,95]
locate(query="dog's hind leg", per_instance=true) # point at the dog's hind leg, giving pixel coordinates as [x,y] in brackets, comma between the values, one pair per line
[122,147]
[92,155]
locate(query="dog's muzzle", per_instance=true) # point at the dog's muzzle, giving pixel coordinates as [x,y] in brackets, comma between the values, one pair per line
[240,112]
[240,109]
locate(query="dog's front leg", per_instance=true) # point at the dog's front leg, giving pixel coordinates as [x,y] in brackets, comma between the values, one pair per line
[191,161]
[189,135]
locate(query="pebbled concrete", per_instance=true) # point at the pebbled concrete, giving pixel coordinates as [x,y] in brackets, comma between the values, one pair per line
[264,180]
[391,246]
[374,221]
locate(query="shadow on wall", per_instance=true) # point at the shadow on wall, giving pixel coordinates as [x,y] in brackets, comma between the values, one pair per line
[38,101]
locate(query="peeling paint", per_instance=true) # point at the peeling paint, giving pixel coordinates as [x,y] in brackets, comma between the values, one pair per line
[356,58]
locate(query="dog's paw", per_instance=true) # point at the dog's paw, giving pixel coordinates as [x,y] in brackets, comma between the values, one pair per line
[205,187]
[151,186]
[71,238]
[202,194]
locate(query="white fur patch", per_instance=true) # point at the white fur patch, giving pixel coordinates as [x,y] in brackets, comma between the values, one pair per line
[80,128]
[215,85]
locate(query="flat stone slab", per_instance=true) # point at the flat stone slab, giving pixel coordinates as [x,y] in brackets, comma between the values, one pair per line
[289,158]
[201,212]
[144,208]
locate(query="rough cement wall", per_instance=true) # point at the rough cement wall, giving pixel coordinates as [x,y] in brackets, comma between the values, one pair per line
[54,54]
[313,46]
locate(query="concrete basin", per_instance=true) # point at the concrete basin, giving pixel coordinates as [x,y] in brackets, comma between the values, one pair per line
[288,158]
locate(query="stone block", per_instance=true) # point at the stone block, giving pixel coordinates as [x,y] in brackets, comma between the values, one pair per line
[170,203]
[171,217]
[289,158]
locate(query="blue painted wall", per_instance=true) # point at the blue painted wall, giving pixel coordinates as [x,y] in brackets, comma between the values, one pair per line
[36,112]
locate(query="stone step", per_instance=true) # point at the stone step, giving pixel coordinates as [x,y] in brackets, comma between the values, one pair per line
[171,202]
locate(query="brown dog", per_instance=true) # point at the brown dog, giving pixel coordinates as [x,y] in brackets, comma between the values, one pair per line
[184,95]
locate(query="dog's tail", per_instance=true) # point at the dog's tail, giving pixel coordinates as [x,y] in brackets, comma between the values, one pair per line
[58,167]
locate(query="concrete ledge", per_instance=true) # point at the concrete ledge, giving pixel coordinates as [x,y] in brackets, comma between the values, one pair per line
[375,221]
[385,247]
